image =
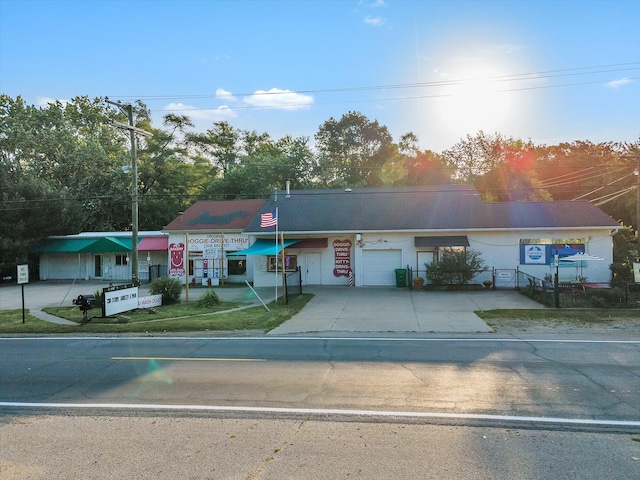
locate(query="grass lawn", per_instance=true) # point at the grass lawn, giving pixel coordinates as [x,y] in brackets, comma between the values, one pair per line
[170,318]
[551,317]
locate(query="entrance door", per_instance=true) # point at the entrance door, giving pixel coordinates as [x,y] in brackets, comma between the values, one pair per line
[312,272]
[97,266]
[424,258]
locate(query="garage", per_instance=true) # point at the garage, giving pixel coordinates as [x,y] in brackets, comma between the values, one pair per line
[379,267]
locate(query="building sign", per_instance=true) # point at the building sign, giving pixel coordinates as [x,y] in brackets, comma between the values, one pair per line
[535,254]
[176,257]
[342,253]
[119,299]
[212,243]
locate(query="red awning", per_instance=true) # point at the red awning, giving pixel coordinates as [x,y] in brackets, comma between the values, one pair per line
[152,244]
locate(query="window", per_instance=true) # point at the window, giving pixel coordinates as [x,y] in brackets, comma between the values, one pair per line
[290,263]
[237,266]
[122,259]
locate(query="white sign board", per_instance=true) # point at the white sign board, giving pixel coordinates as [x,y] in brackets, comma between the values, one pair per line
[150,301]
[118,301]
[23,274]
[636,272]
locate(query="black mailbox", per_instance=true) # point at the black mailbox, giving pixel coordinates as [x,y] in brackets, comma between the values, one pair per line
[85,302]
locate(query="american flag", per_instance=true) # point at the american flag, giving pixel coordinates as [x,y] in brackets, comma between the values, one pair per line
[269,219]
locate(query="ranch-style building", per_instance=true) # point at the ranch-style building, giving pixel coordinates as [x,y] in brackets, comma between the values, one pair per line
[360,237]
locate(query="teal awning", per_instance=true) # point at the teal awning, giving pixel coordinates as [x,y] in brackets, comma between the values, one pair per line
[85,245]
[262,246]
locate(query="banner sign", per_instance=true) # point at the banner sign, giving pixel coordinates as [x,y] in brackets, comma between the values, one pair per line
[150,301]
[342,253]
[176,257]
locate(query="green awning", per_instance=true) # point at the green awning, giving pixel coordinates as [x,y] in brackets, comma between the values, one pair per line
[85,245]
[262,246]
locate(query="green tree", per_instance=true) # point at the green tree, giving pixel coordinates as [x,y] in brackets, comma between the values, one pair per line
[624,254]
[352,151]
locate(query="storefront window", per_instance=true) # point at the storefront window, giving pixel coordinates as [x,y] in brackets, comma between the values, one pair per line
[290,263]
[237,266]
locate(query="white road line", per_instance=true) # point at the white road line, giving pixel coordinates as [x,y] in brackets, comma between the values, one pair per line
[369,339]
[322,411]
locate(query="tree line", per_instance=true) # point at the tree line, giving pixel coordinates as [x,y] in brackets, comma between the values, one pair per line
[63,167]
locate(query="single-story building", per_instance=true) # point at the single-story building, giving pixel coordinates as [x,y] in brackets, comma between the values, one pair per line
[202,238]
[348,236]
[361,236]
[102,256]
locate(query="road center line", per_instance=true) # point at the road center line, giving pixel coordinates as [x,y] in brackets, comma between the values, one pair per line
[191,359]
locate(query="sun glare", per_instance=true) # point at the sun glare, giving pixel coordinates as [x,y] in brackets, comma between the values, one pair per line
[473,100]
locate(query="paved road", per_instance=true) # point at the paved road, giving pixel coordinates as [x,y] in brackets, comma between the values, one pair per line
[573,380]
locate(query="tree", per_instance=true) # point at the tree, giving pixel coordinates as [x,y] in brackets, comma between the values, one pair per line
[352,151]
[624,253]
[219,145]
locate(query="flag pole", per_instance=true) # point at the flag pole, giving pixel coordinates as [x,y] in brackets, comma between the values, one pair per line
[276,252]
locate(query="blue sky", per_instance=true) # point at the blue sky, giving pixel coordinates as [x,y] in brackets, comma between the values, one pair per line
[549,71]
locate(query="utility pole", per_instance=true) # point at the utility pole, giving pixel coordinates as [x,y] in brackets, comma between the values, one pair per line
[128,108]
[637,172]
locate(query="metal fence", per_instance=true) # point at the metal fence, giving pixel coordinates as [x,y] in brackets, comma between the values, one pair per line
[580,294]
[292,284]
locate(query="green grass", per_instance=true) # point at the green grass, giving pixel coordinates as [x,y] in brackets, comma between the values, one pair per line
[170,319]
[504,320]
[562,315]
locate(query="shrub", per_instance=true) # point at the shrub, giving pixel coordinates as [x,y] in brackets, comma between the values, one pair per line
[455,267]
[98,301]
[209,299]
[169,288]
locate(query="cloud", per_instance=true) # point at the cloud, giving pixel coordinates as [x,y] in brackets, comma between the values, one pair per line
[45,101]
[279,99]
[222,93]
[618,82]
[375,3]
[374,21]
[213,114]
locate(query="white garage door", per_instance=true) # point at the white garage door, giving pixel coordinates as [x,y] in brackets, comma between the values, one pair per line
[379,266]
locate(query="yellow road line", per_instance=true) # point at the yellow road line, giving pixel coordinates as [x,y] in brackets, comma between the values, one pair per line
[192,359]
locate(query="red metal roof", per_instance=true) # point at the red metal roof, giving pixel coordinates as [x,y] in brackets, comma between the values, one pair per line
[212,215]
[149,244]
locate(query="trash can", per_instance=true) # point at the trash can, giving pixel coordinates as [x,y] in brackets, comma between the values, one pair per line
[401,277]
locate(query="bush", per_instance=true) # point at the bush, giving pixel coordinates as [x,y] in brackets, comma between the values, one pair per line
[98,301]
[209,299]
[169,288]
[456,267]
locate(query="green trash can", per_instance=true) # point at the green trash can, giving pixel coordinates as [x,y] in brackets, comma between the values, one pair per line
[401,277]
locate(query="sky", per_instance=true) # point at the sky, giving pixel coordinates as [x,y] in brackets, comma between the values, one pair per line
[546,71]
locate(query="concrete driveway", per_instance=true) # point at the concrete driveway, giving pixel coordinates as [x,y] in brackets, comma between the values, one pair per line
[388,309]
[332,309]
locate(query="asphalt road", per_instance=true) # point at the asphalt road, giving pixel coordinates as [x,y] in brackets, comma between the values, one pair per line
[321,408]
[591,381]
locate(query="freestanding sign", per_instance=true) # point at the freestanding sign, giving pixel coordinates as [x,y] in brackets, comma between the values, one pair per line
[23,277]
